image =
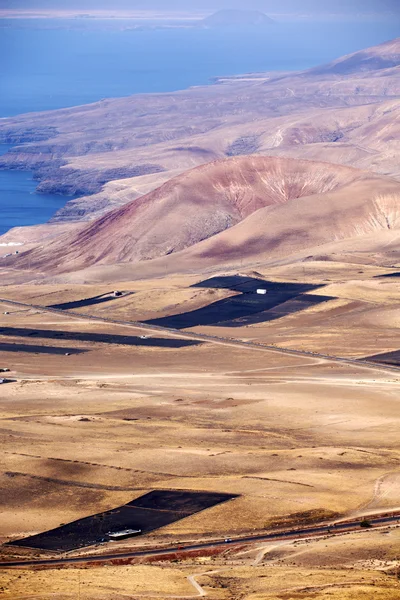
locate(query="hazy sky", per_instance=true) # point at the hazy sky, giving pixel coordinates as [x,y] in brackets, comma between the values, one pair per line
[272,6]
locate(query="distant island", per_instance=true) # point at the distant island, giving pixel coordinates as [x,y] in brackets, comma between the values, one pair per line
[235,18]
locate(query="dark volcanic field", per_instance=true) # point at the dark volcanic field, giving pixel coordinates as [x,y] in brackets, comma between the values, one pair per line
[151,511]
[36,349]
[104,338]
[87,301]
[249,307]
[388,275]
[388,358]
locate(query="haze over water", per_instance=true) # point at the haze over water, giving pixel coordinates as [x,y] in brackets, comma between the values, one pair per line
[49,64]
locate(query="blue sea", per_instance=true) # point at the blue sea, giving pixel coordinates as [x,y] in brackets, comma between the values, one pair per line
[49,64]
[19,205]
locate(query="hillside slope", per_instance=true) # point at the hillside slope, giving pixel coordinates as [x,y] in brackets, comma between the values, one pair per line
[383,56]
[257,205]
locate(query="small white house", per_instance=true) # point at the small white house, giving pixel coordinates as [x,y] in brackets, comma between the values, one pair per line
[261,291]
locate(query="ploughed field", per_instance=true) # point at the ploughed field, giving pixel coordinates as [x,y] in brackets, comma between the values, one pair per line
[38,349]
[99,299]
[84,336]
[247,308]
[388,358]
[151,511]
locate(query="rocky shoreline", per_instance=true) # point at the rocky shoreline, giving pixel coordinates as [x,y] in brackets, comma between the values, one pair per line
[55,177]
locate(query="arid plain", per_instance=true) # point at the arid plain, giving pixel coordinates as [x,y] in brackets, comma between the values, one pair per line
[299,439]
[99,412]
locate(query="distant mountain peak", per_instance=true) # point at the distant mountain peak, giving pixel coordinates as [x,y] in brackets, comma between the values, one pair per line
[236,17]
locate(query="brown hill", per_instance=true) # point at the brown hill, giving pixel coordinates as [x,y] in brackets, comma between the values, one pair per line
[170,133]
[362,208]
[253,203]
[383,56]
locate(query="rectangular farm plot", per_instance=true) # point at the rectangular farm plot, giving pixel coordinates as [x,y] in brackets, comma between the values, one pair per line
[294,305]
[89,337]
[259,301]
[181,501]
[147,513]
[388,358]
[250,284]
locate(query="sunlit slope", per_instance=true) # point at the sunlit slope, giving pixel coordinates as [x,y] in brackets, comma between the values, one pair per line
[383,56]
[241,207]
[362,209]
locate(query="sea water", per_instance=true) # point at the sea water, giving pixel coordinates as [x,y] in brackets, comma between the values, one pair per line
[19,204]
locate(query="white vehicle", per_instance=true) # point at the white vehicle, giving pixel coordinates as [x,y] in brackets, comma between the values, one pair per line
[125,533]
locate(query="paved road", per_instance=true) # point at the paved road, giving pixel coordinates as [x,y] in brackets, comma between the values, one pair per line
[203,337]
[292,534]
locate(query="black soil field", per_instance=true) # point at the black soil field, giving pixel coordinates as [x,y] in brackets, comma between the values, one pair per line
[151,511]
[294,305]
[389,358]
[104,338]
[89,301]
[238,283]
[241,310]
[34,349]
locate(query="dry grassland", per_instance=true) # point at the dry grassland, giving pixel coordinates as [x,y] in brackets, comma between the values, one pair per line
[298,438]
[102,583]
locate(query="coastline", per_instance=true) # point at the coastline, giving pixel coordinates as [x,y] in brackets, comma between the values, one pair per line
[20,187]
[74,152]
